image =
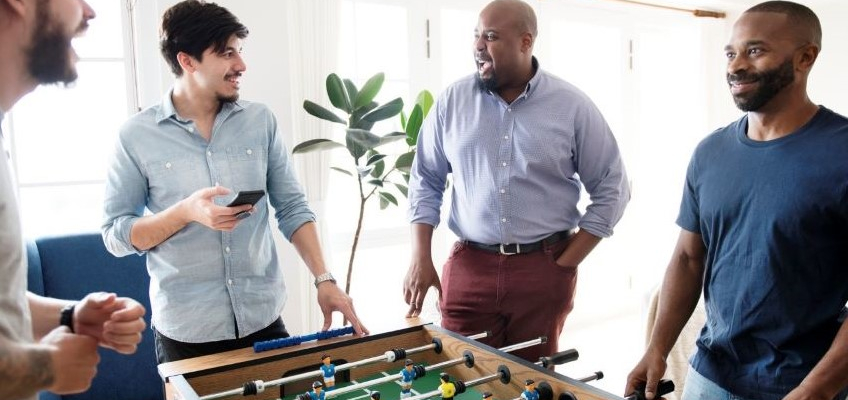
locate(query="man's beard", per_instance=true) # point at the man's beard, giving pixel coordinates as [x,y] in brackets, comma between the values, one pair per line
[489,84]
[771,82]
[227,99]
[50,54]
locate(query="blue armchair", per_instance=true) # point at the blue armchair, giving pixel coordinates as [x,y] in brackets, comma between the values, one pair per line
[71,266]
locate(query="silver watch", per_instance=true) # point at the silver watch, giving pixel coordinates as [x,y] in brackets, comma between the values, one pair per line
[324,278]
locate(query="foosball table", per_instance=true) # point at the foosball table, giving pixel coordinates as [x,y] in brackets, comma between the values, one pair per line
[373,364]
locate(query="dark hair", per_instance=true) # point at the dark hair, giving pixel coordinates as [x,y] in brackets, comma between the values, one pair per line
[799,15]
[192,27]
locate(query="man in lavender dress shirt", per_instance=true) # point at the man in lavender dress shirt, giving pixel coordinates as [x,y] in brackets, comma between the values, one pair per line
[519,144]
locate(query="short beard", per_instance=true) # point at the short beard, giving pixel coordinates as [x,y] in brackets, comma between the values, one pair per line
[227,99]
[50,55]
[489,84]
[771,83]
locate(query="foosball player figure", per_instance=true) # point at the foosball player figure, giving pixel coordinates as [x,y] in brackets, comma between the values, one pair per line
[447,387]
[487,395]
[317,392]
[329,371]
[530,392]
[407,375]
[375,395]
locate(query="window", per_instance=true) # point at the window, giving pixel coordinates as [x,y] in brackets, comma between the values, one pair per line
[61,138]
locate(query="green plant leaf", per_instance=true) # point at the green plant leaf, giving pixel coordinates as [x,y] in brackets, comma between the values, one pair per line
[405,176]
[425,100]
[369,90]
[383,203]
[403,189]
[316,144]
[404,162]
[321,112]
[356,121]
[376,182]
[388,196]
[359,141]
[337,93]
[344,171]
[403,120]
[379,167]
[374,158]
[416,118]
[385,111]
[363,171]
[352,91]
[392,137]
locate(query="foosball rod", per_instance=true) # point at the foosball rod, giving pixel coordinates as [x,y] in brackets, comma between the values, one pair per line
[467,358]
[503,375]
[258,386]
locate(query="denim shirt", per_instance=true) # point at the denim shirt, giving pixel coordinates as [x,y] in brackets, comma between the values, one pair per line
[515,166]
[204,281]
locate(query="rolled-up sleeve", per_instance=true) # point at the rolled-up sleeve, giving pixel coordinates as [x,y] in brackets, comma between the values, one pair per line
[124,200]
[285,193]
[601,171]
[429,171]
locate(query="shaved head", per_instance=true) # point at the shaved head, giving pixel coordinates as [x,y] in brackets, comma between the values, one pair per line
[523,16]
[802,20]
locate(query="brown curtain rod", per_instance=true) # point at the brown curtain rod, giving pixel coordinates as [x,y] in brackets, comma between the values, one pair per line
[695,12]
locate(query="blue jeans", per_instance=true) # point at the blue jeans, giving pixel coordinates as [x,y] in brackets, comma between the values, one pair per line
[699,388]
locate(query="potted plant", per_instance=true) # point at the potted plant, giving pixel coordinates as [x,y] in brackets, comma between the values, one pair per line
[375,172]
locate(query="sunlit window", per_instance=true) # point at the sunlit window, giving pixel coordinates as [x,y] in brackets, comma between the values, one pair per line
[61,137]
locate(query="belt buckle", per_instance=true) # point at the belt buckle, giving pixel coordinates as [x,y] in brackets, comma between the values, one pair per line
[506,253]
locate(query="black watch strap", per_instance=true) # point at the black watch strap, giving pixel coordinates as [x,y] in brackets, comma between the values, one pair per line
[66,316]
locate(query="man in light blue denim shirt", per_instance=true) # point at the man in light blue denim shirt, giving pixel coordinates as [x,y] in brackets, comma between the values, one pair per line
[519,144]
[216,283]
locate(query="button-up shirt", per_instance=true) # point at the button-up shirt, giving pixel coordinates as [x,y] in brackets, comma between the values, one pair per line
[517,168]
[203,281]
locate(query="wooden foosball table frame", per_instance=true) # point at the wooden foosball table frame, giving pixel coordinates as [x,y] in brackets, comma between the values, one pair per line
[193,378]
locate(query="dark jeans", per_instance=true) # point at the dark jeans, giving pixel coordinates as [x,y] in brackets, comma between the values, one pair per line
[168,349]
[518,297]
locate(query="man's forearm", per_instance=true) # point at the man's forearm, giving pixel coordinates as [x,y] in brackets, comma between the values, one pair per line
[149,231]
[45,313]
[24,369]
[830,375]
[580,246]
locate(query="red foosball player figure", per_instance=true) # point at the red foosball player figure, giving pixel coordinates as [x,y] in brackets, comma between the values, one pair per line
[487,396]
[530,392]
[447,387]
[329,371]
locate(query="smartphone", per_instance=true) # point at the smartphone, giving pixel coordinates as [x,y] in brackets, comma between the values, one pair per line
[246,197]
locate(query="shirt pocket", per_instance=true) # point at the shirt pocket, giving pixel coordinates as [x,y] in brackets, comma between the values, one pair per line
[248,166]
[174,177]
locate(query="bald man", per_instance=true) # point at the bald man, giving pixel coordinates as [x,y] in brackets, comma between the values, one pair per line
[47,344]
[764,230]
[518,142]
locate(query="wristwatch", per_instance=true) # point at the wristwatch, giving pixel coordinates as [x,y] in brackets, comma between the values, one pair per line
[66,316]
[324,278]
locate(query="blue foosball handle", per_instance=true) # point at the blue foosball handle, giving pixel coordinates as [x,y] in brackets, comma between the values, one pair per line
[296,340]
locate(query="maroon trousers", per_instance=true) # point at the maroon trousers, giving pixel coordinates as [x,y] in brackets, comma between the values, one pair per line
[517,297]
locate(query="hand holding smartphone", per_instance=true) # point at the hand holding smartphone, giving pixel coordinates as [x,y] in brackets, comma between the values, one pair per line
[246,197]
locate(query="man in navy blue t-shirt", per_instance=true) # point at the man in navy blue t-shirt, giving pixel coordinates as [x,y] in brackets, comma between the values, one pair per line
[764,221]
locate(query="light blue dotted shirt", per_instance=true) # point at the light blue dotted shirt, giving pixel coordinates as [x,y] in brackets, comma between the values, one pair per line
[203,281]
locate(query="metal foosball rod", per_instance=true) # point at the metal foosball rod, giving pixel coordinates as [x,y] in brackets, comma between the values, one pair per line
[259,386]
[467,358]
[503,375]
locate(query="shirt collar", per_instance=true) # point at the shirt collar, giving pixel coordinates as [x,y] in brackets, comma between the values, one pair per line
[167,109]
[534,81]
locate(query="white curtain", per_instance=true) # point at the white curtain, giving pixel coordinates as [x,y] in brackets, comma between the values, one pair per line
[313,36]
